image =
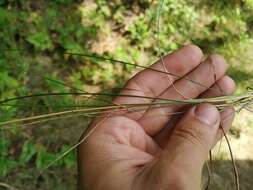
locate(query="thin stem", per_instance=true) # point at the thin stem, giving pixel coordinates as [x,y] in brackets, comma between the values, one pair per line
[74,94]
[232,159]
[209,176]
[76,145]
[139,66]
[7,186]
[125,63]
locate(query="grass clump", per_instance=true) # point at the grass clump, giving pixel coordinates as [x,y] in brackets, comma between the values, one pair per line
[55,39]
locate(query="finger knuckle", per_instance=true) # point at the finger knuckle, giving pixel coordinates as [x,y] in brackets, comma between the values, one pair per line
[218,61]
[194,137]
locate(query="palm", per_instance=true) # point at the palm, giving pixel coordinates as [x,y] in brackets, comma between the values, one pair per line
[126,144]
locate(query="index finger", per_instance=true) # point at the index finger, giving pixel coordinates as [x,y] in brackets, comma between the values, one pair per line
[151,83]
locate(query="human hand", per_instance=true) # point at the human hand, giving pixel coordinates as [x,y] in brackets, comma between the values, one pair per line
[153,149]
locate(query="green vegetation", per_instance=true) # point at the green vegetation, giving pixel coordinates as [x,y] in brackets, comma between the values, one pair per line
[35,35]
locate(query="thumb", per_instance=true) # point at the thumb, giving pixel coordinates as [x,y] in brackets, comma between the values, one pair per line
[190,142]
[196,132]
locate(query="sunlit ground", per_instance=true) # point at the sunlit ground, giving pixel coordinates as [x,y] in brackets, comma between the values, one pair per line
[242,146]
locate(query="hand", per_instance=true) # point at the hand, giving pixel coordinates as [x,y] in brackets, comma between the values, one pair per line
[155,149]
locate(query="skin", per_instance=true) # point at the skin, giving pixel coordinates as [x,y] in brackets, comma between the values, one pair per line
[152,149]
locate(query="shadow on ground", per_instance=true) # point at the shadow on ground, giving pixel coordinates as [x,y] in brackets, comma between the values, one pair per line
[223,175]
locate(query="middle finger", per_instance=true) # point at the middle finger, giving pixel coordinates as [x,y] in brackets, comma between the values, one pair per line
[207,73]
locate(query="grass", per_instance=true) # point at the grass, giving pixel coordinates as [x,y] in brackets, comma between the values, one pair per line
[78,66]
[242,101]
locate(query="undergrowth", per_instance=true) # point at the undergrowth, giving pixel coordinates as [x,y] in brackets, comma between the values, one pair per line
[37,42]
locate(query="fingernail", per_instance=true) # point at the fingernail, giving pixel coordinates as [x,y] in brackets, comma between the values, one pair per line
[207,113]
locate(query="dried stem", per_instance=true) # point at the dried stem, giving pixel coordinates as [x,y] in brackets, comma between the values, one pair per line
[232,159]
[7,186]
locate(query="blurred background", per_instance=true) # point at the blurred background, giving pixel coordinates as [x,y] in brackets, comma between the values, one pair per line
[35,36]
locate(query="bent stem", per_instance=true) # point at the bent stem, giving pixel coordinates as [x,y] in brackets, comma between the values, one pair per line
[7,186]
[210,170]
[232,159]
[82,140]
[220,102]
[243,100]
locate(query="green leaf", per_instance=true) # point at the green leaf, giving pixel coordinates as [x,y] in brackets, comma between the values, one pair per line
[44,158]
[6,162]
[28,151]
[6,165]
[40,40]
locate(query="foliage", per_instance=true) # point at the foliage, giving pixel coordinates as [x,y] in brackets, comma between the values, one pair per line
[35,35]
